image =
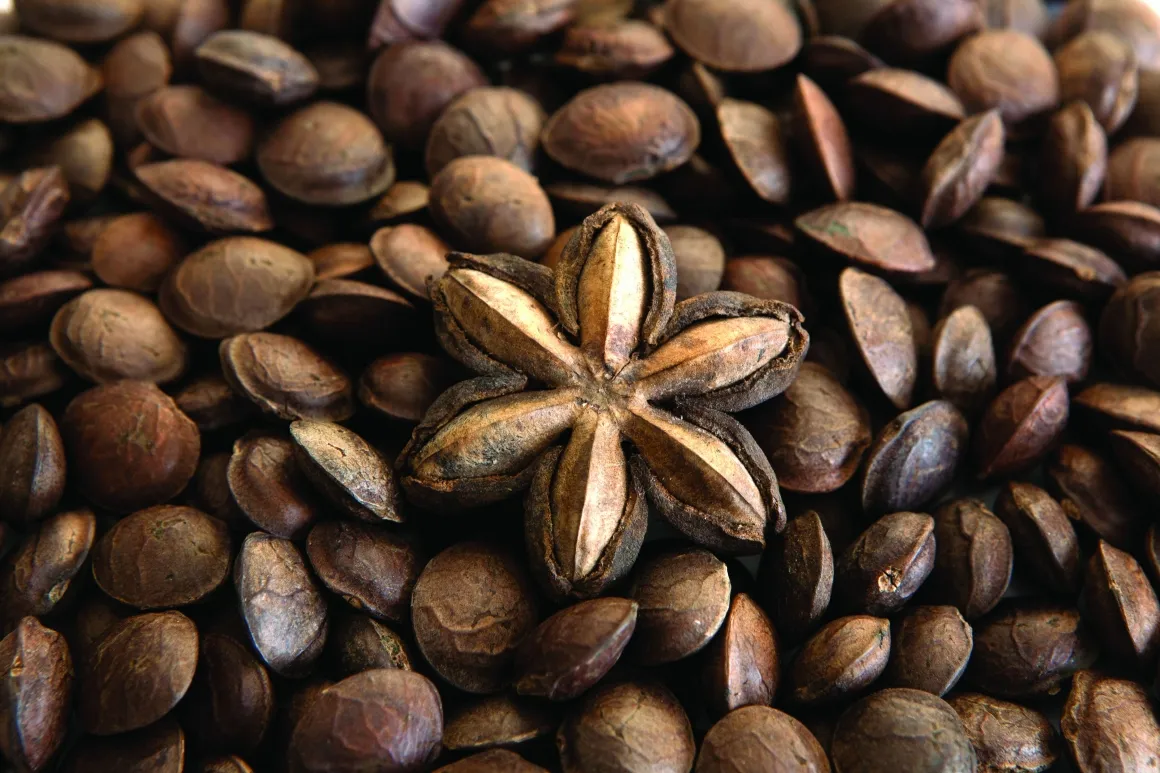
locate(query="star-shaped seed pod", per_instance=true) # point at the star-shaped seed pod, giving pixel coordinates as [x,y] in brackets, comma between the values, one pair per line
[594,389]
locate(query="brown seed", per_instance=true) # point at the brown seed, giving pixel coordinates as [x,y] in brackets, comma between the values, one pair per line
[255,68]
[135,252]
[767,278]
[1054,341]
[159,748]
[1131,169]
[231,701]
[501,122]
[914,458]
[185,25]
[164,556]
[824,140]
[42,80]
[832,59]
[870,236]
[1122,606]
[579,200]
[684,600]
[1091,492]
[410,84]
[617,726]
[30,207]
[84,154]
[38,686]
[134,68]
[912,30]
[1030,649]
[107,335]
[1044,539]
[700,258]
[129,445]
[1120,406]
[1005,70]
[624,49]
[29,371]
[901,729]
[814,434]
[210,402]
[210,489]
[742,665]
[963,357]
[973,557]
[1074,160]
[340,261]
[138,671]
[190,122]
[1072,269]
[509,26]
[371,568]
[498,720]
[385,719]
[284,611]
[28,302]
[492,761]
[80,21]
[286,378]
[887,564]
[903,102]
[1028,16]
[960,169]
[881,327]
[1000,228]
[749,36]
[33,459]
[207,196]
[1109,724]
[230,764]
[1129,230]
[622,132]
[1008,738]
[403,386]
[400,20]
[342,310]
[991,292]
[39,573]
[402,202]
[269,487]
[471,608]
[840,660]
[929,650]
[487,204]
[410,256]
[1020,426]
[1100,69]
[757,141]
[573,649]
[346,469]
[1128,328]
[360,643]
[797,575]
[756,738]
[1137,453]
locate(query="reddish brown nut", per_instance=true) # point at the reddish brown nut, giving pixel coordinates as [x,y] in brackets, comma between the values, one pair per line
[1007,70]
[32,456]
[38,687]
[37,577]
[742,667]
[930,650]
[286,378]
[231,702]
[42,80]
[135,252]
[346,470]
[269,487]
[253,67]
[1021,425]
[207,196]
[30,206]
[487,121]
[190,122]
[840,660]
[1122,606]
[410,256]
[372,569]
[748,36]
[684,599]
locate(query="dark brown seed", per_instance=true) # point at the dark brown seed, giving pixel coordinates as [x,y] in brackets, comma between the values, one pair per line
[1030,649]
[824,140]
[342,310]
[509,26]
[914,458]
[33,459]
[622,132]
[1132,168]
[498,720]
[84,154]
[994,294]
[748,36]
[1054,341]
[159,748]
[1122,606]
[1000,228]
[1110,724]
[1120,406]
[327,154]
[1139,455]
[346,469]
[360,643]
[700,260]
[887,564]
[207,196]
[619,726]
[973,557]
[135,252]
[28,302]
[471,608]
[492,761]
[869,236]
[231,701]
[371,568]
[486,204]
[901,729]
[1044,539]
[269,487]
[929,650]
[1091,492]
[210,489]
[1020,426]
[1130,230]
[29,371]
[255,68]
[286,378]
[1007,737]
[403,386]
[1100,68]
[410,256]
[880,324]
[684,598]
[38,687]
[573,649]
[230,764]
[403,201]
[108,335]
[756,738]
[963,357]
[129,445]
[283,609]
[164,556]
[903,102]
[190,122]
[80,21]
[384,719]
[137,672]
[742,665]
[30,207]
[39,573]
[340,261]
[758,143]
[579,200]
[1128,328]
[499,122]
[840,660]
[1072,269]
[134,68]
[1073,161]
[1006,70]
[960,169]
[913,30]
[768,278]
[624,49]
[210,402]
[796,576]
[42,80]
